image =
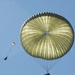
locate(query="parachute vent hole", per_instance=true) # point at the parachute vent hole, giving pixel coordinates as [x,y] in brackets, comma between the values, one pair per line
[46,32]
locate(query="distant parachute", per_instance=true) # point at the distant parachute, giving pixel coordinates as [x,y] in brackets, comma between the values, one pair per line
[12,44]
[47,36]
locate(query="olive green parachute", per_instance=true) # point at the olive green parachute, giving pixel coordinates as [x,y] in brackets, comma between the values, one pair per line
[47,36]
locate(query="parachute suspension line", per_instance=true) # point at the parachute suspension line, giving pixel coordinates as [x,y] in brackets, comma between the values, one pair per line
[52,64]
[40,63]
[9,51]
[46,64]
[49,64]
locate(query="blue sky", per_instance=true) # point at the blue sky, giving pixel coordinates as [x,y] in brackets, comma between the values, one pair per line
[13,13]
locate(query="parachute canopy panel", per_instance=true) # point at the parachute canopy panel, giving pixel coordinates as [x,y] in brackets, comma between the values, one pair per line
[47,36]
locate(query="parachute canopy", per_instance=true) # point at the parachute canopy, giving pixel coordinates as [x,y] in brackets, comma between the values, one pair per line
[47,36]
[13,43]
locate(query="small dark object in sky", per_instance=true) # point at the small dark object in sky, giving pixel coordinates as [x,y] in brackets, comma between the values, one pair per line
[5,58]
[47,74]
